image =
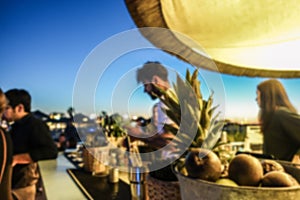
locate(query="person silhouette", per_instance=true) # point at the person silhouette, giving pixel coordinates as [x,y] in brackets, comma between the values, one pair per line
[32,142]
[280,122]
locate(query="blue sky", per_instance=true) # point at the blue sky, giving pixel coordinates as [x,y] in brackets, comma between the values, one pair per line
[44,44]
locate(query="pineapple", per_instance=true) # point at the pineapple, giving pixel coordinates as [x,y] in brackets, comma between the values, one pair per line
[194,123]
[195,128]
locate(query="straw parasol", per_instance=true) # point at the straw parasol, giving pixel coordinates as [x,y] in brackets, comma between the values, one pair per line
[258,38]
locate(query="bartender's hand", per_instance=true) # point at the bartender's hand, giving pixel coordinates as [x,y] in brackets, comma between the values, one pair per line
[134,131]
[159,140]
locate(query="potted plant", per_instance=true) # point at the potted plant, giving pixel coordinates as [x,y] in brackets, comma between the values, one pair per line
[113,127]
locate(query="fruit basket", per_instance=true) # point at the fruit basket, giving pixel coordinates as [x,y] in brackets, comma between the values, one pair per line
[191,188]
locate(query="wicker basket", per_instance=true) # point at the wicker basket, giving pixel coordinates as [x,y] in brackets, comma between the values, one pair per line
[91,159]
[162,190]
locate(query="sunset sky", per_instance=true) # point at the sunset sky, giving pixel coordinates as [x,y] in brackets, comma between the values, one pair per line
[46,45]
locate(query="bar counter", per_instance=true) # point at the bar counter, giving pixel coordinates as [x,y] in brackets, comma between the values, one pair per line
[58,184]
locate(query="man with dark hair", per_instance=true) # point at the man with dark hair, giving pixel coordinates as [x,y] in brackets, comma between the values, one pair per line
[151,69]
[154,73]
[32,142]
[154,77]
[19,96]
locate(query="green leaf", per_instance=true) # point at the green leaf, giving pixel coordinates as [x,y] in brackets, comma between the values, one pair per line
[188,75]
[214,135]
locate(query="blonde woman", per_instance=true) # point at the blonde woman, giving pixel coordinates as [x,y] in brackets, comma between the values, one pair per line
[280,122]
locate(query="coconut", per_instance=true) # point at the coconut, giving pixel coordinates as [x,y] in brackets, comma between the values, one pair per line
[203,164]
[278,179]
[271,165]
[245,170]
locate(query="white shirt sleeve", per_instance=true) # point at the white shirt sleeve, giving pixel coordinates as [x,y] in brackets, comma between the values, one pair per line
[162,118]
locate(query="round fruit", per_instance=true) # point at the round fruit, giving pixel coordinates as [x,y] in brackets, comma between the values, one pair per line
[226,181]
[278,179]
[245,170]
[203,164]
[271,165]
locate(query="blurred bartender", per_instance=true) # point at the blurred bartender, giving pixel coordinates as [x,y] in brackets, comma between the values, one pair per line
[154,73]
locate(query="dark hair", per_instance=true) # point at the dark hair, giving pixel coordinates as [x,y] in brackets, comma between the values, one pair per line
[272,95]
[150,69]
[19,96]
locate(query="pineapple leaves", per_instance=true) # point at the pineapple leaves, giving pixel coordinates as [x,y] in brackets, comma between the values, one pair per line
[194,121]
[214,134]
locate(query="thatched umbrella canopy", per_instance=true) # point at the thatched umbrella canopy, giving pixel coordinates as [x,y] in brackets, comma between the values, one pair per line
[257,38]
